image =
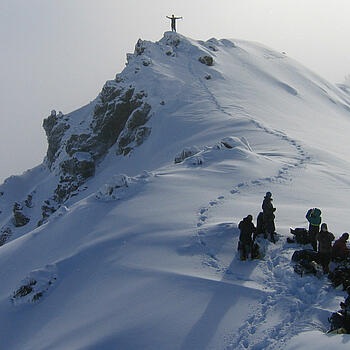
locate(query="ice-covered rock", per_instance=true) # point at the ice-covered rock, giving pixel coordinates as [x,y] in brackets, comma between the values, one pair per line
[114,189]
[33,288]
[186,153]
[208,60]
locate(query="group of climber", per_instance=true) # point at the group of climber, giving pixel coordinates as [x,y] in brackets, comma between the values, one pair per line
[338,252]
[322,252]
[319,233]
[265,226]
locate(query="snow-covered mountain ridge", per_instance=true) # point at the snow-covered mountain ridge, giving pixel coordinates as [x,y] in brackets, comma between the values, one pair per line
[125,237]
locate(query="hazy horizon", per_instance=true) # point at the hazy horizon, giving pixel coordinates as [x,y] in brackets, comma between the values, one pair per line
[58,54]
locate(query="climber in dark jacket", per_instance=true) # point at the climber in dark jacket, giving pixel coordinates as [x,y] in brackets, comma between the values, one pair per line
[247,228]
[313,216]
[173,22]
[269,216]
[340,250]
[345,311]
[325,239]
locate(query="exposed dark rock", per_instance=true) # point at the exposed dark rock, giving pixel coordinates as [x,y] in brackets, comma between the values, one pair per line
[24,290]
[108,94]
[172,40]
[79,167]
[208,77]
[139,48]
[48,208]
[146,62]
[5,234]
[134,130]
[119,117]
[119,113]
[79,143]
[227,145]
[19,218]
[33,289]
[208,60]
[65,190]
[55,129]
[108,126]
[186,153]
[29,201]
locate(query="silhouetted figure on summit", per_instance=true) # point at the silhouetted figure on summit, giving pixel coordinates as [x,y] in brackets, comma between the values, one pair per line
[173,22]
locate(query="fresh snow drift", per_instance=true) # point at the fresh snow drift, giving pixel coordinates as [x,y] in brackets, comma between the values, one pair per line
[126,236]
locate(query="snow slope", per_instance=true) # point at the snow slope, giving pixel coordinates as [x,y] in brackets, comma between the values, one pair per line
[144,257]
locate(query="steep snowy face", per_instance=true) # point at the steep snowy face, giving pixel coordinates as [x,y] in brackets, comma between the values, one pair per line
[77,142]
[140,194]
[171,78]
[175,97]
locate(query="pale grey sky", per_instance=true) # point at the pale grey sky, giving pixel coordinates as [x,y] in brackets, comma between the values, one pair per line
[57,54]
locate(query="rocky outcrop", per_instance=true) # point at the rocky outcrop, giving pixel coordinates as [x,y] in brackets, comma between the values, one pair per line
[5,234]
[36,286]
[118,118]
[134,133]
[186,153]
[19,218]
[111,116]
[208,60]
[55,127]
[47,209]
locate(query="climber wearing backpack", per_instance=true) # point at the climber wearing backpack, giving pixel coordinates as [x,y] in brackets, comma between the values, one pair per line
[313,216]
[173,22]
[325,239]
[340,251]
[247,228]
[269,216]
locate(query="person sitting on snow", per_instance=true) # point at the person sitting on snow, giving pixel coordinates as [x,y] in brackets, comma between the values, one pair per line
[340,250]
[247,228]
[325,239]
[313,216]
[269,216]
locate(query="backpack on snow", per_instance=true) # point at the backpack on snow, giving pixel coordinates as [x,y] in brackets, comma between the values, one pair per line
[305,268]
[301,235]
[306,262]
[307,255]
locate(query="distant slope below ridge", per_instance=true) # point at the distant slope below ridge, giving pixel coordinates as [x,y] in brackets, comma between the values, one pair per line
[125,237]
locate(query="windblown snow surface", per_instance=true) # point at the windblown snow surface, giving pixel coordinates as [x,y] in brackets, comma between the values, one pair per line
[154,264]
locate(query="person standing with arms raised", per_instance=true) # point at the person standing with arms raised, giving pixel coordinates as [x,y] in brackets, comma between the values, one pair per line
[173,22]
